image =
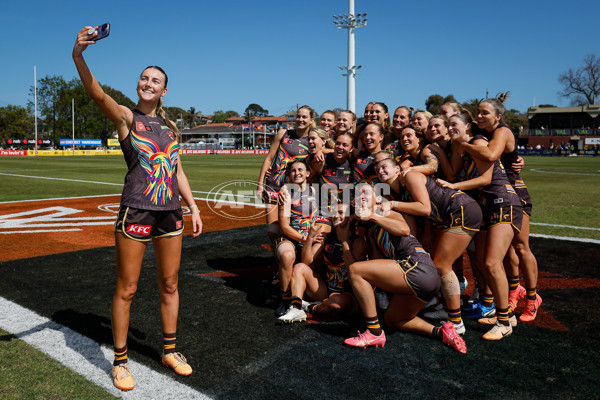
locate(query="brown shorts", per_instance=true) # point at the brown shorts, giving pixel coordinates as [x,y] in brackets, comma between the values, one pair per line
[143,225]
[465,213]
[423,279]
[524,196]
[502,214]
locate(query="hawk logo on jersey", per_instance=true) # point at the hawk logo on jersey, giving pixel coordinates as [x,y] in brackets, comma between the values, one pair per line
[361,161]
[329,172]
[287,140]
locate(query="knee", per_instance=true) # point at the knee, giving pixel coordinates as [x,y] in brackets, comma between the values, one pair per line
[287,258]
[300,269]
[126,292]
[168,286]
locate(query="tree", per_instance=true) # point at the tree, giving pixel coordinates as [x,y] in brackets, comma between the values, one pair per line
[582,85]
[55,99]
[256,111]
[434,103]
[220,116]
[472,105]
[15,122]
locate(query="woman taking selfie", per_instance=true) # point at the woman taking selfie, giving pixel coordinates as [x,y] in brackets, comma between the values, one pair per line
[150,207]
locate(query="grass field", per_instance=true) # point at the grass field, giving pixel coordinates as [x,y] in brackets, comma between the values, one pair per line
[564,190]
[537,362]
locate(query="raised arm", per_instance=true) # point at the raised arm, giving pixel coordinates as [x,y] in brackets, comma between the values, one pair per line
[119,115]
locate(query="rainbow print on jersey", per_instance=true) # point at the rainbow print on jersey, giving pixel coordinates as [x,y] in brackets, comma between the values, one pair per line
[384,242]
[282,159]
[158,165]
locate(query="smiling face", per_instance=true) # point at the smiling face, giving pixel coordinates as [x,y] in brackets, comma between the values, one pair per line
[372,138]
[401,119]
[345,122]
[368,112]
[303,119]
[298,173]
[378,114]
[437,130]
[315,143]
[387,170]
[151,85]
[487,118]
[339,218]
[343,147]
[410,140]
[420,121]
[458,130]
[328,121]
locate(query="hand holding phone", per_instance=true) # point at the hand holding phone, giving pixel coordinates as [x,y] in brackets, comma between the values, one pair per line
[103,31]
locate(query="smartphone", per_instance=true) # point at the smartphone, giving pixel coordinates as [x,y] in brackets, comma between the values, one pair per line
[103,31]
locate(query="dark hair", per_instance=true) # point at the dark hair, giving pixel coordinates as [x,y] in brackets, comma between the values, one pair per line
[302,160]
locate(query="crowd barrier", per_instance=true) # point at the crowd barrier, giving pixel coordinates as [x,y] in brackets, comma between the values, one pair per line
[46,153]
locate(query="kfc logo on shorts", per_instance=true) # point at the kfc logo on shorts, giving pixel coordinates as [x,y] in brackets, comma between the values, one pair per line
[179,225]
[139,229]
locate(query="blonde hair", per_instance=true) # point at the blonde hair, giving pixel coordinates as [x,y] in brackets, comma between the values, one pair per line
[324,135]
[159,107]
[312,113]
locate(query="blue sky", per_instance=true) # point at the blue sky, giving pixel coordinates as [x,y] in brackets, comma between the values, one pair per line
[225,55]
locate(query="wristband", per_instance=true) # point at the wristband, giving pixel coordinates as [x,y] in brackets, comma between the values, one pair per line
[194,209]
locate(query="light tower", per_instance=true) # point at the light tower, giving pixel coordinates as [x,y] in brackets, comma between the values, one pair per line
[350,21]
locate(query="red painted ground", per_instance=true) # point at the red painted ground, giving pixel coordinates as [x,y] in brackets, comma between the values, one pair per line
[39,228]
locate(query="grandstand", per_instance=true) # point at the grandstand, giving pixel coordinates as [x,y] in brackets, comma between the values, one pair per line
[576,127]
[229,135]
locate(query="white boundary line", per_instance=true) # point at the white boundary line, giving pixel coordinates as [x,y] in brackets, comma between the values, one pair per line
[567,238]
[87,357]
[561,173]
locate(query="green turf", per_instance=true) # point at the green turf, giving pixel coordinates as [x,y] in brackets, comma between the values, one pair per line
[26,373]
[564,189]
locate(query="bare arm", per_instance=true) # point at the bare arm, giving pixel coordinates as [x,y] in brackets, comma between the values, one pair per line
[494,148]
[119,115]
[284,219]
[268,160]
[430,160]
[415,184]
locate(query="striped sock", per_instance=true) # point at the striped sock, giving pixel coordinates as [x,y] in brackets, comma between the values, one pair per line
[513,282]
[313,309]
[286,296]
[120,356]
[436,333]
[487,300]
[454,316]
[373,326]
[297,302]
[531,294]
[502,315]
[169,340]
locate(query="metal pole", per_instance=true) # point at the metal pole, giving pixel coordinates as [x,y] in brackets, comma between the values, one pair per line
[35,106]
[351,91]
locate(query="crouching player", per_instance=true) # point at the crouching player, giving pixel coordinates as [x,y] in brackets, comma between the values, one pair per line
[332,294]
[407,272]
